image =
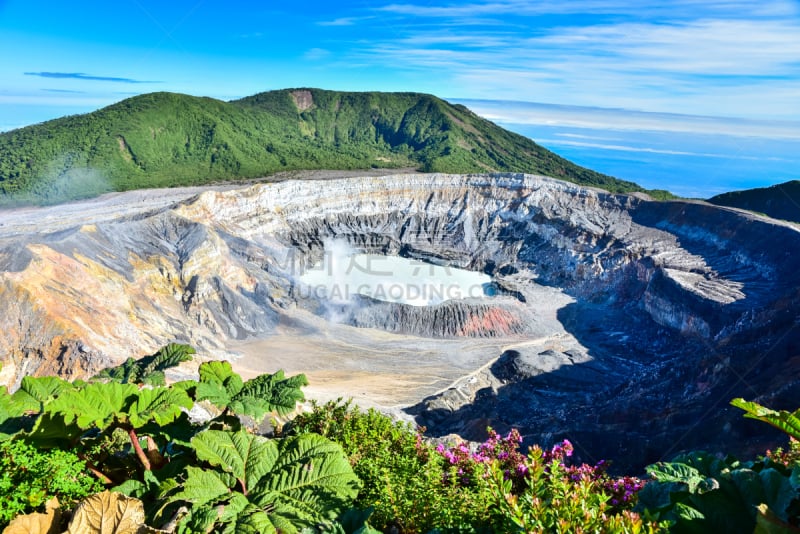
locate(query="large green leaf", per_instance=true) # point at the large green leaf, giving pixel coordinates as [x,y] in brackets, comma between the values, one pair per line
[708,464]
[215,371]
[213,392]
[156,378]
[97,404]
[140,488]
[34,392]
[298,482]
[245,456]
[11,416]
[161,404]
[203,486]
[311,481]
[252,520]
[52,430]
[257,397]
[148,369]
[177,432]
[269,393]
[788,422]
[169,356]
[127,372]
[778,492]
[657,496]
[678,473]
[710,494]
[354,521]
[688,513]
[199,519]
[221,373]
[767,522]
[235,506]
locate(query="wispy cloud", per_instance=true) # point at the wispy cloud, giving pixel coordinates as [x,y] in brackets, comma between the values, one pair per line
[316,54]
[342,21]
[673,8]
[650,150]
[593,118]
[720,57]
[63,91]
[87,77]
[702,47]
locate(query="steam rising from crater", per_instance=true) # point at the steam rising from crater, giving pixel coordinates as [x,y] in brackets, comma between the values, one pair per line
[345,273]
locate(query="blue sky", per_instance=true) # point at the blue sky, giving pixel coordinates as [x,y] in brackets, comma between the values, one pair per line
[675,59]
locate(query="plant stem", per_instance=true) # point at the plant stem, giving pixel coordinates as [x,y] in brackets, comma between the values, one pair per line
[96,472]
[138,448]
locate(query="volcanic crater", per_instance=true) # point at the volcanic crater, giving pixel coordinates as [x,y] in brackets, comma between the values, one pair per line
[622,323]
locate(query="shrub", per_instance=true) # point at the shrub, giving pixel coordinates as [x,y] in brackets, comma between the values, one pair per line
[29,477]
[403,479]
[491,487]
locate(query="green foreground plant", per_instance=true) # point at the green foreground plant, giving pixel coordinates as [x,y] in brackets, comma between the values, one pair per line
[335,469]
[702,492]
[29,477]
[138,439]
[402,477]
[415,486]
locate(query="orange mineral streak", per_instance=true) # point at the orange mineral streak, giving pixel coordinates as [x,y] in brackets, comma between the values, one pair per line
[88,301]
[496,320]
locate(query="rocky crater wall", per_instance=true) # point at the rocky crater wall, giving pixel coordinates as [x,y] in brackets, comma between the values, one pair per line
[663,293]
[692,267]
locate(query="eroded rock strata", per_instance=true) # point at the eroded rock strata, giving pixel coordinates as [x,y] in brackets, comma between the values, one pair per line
[669,309]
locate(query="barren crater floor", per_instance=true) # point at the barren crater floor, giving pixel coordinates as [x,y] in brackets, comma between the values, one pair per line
[615,321]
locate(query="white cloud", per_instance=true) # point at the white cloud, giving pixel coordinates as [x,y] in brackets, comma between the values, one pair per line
[342,21]
[316,54]
[626,120]
[703,47]
[650,150]
[674,8]
[720,57]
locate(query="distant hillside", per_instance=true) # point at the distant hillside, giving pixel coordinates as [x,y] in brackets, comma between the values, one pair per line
[780,201]
[167,139]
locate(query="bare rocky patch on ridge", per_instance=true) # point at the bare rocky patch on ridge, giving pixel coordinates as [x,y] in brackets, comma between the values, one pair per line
[303,99]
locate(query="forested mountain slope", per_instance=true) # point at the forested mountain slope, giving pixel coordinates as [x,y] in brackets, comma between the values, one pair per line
[167,139]
[781,201]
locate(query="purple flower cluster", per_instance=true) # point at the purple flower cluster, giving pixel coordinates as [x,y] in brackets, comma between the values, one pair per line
[622,490]
[503,449]
[559,452]
[516,467]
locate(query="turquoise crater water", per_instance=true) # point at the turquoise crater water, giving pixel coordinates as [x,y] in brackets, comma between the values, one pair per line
[340,277]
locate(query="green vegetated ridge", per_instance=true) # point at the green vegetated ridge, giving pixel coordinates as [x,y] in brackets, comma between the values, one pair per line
[781,201]
[167,139]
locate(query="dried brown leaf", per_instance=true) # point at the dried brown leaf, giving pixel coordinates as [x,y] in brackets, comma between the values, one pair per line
[37,523]
[108,513]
